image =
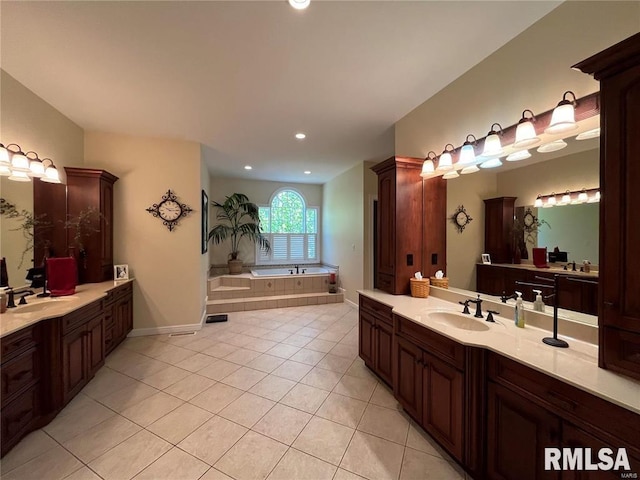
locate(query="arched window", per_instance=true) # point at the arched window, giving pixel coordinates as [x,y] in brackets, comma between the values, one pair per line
[291,227]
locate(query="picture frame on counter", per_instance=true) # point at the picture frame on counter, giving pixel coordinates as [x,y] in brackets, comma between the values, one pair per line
[121,272]
[486,259]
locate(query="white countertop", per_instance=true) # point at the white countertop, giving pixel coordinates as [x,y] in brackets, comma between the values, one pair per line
[576,365]
[553,268]
[38,309]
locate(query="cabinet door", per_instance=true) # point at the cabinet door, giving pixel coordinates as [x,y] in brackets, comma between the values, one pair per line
[517,433]
[95,344]
[74,363]
[366,339]
[383,351]
[573,437]
[408,378]
[443,395]
[386,222]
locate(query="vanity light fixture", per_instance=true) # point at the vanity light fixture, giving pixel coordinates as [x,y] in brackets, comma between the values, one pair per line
[428,167]
[299,4]
[521,155]
[4,156]
[35,165]
[492,143]
[19,161]
[594,133]
[566,198]
[582,196]
[538,203]
[552,146]
[467,152]
[51,174]
[469,169]
[551,201]
[595,198]
[248,167]
[563,118]
[451,174]
[19,176]
[492,163]
[301,136]
[526,132]
[446,160]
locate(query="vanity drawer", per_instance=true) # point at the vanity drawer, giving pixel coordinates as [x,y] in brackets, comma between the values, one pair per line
[80,316]
[19,414]
[119,292]
[379,310]
[17,342]
[432,342]
[582,408]
[18,373]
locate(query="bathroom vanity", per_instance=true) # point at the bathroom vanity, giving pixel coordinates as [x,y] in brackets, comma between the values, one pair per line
[51,348]
[493,395]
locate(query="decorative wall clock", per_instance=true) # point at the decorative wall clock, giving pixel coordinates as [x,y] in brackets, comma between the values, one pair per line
[461,218]
[169,210]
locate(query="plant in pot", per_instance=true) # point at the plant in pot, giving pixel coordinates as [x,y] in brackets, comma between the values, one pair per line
[238,219]
[525,232]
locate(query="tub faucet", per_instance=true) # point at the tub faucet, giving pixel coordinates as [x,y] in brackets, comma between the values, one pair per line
[297,269]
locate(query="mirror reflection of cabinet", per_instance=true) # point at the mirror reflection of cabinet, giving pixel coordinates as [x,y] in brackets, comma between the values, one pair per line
[618,70]
[498,218]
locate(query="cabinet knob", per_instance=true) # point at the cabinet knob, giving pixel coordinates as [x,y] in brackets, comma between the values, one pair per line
[610,304]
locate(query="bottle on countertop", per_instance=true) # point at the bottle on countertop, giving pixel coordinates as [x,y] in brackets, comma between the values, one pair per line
[538,305]
[519,311]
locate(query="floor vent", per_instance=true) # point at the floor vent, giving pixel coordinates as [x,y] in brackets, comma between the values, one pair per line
[181,334]
[217,318]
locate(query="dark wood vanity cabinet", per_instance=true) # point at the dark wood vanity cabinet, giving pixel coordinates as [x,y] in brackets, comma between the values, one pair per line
[376,338]
[118,316]
[618,70]
[429,382]
[411,230]
[498,228]
[92,189]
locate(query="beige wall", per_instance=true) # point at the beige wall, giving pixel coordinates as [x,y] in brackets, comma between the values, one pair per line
[259,192]
[35,125]
[167,266]
[343,228]
[534,68]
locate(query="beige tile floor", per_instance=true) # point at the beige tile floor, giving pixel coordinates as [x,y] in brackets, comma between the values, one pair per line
[274,394]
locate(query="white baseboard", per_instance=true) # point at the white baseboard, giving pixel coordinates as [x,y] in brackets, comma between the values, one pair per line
[140,332]
[352,304]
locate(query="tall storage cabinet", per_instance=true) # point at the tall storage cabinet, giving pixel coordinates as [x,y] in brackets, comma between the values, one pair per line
[498,221]
[618,69]
[92,189]
[411,224]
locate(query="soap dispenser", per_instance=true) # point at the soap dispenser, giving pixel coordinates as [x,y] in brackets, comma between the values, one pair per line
[519,311]
[538,305]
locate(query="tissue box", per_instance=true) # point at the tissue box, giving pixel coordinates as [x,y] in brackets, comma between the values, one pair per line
[440,282]
[419,288]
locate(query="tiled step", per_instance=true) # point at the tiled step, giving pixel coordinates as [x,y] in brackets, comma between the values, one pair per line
[224,292]
[272,301]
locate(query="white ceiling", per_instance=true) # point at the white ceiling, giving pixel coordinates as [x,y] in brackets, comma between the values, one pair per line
[243,77]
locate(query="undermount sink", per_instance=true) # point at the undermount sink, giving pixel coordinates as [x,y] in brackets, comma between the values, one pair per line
[40,305]
[457,320]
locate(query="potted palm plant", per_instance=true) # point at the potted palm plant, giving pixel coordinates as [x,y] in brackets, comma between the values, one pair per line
[238,218]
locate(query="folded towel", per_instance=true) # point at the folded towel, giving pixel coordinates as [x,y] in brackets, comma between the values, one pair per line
[540,257]
[62,276]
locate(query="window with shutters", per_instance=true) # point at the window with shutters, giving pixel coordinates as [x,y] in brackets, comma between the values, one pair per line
[291,227]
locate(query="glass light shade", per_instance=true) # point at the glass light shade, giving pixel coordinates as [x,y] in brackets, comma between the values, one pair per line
[469,169]
[595,198]
[427,168]
[5,171]
[521,155]
[538,203]
[451,174]
[445,162]
[51,175]
[492,146]
[594,133]
[19,176]
[492,163]
[20,163]
[467,155]
[37,168]
[551,202]
[552,146]
[525,135]
[4,156]
[562,119]
[583,197]
[566,199]
[299,4]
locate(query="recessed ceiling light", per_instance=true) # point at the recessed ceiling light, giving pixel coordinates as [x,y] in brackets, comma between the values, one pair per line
[299,4]
[300,136]
[248,167]
[307,172]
